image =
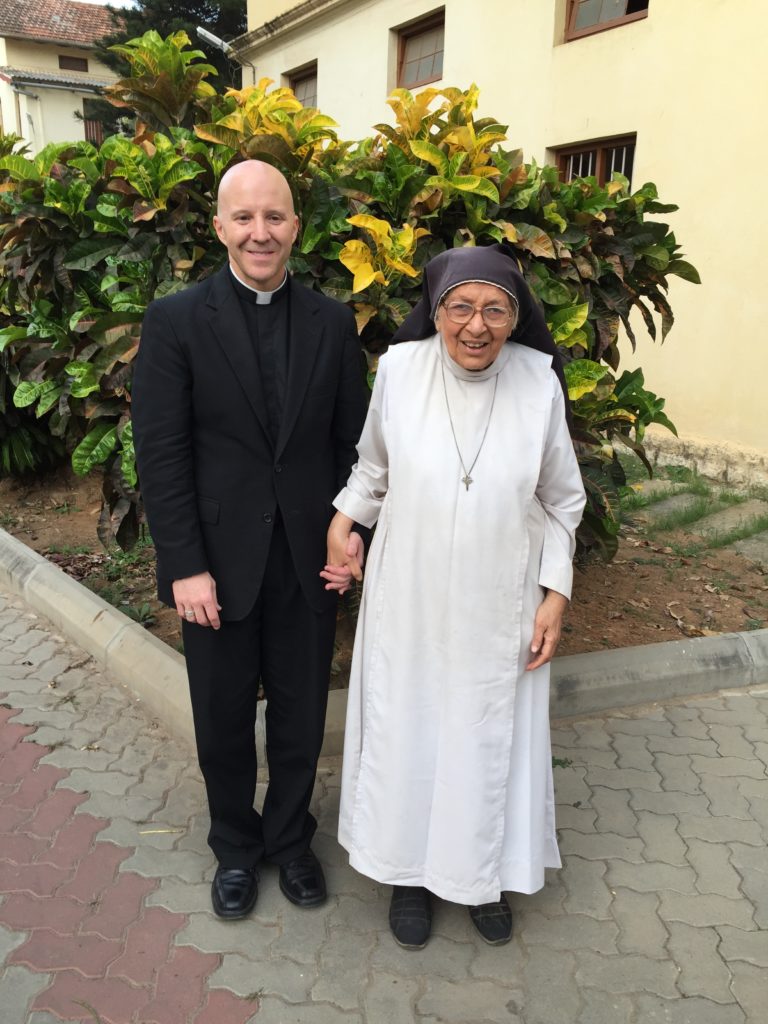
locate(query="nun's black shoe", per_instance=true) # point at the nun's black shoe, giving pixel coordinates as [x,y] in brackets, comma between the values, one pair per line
[493,921]
[234,892]
[410,916]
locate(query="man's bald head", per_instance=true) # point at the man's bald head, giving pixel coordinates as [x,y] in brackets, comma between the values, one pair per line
[257,222]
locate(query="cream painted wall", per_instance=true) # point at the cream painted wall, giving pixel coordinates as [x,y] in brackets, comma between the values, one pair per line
[688,80]
[47,115]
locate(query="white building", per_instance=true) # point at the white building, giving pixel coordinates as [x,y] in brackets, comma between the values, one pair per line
[666,90]
[48,70]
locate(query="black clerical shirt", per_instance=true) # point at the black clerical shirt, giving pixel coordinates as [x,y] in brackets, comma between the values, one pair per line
[267,317]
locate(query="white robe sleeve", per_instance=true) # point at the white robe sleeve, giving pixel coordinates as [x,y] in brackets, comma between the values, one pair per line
[561,494]
[368,482]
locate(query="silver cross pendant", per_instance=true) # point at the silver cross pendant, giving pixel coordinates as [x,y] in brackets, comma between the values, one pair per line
[466,480]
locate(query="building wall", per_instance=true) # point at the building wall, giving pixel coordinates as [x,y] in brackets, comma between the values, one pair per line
[41,114]
[687,80]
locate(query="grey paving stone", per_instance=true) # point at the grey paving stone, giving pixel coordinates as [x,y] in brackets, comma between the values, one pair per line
[65,737]
[755,548]
[563,735]
[740,945]
[85,780]
[182,897]
[677,745]
[129,833]
[592,734]
[585,883]
[722,715]
[641,930]
[623,778]
[691,728]
[731,741]
[759,811]
[624,975]
[18,988]
[139,809]
[574,931]
[720,829]
[605,1008]
[390,998]
[613,811]
[632,752]
[275,1011]
[582,756]
[35,642]
[706,911]
[601,846]
[647,725]
[748,985]
[651,1010]
[737,767]
[651,877]
[9,940]
[702,970]
[676,773]
[669,803]
[570,787]
[751,865]
[71,758]
[663,842]
[183,801]
[581,819]
[457,1003]
[288,981]
[551,994]
[714,872]
[212,935]
[153,863]
[441,957]
[302,932]
[59,718]
[724,796]
[551,898]
[344,968]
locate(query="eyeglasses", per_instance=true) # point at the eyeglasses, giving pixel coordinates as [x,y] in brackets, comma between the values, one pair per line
[462,313]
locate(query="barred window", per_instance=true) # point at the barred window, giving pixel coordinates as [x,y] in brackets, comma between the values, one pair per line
[598,159]
[588,16]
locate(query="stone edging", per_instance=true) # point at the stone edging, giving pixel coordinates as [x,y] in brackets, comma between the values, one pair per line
[581,683]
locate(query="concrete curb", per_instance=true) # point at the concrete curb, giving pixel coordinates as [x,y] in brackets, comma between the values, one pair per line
[581,683]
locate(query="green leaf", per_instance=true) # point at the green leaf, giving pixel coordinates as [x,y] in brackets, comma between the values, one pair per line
[87,253]
[563,322]
[582,376]
[19,168]
[685,270]
[430,154]
[95,448]
[27,392]
[10,334]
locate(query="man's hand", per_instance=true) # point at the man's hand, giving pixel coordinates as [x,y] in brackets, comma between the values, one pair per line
[546,629]
[195,598]
[346,552]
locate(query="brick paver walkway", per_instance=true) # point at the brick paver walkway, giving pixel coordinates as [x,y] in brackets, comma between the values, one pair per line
[660,913]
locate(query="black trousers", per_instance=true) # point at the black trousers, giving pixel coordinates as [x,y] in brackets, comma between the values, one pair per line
[287,646]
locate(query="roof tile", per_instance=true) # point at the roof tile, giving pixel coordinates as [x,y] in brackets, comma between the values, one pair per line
[62,21]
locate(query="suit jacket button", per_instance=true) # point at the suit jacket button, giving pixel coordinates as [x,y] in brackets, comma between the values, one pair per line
[278,468]
[267,517]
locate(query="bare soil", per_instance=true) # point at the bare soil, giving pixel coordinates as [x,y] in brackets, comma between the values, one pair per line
[647,594]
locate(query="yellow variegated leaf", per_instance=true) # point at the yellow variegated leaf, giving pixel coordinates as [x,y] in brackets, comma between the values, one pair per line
[401,267]
[379,229]
[358,259]
[363,313]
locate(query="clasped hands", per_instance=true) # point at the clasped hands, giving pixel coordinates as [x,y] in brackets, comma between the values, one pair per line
[346,552]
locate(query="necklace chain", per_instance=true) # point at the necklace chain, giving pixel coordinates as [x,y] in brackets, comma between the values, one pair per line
[467,479]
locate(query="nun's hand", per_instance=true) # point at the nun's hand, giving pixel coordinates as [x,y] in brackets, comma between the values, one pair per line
[345,555]
[547,627]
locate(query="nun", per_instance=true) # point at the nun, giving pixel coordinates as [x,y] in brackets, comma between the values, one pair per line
[467,469]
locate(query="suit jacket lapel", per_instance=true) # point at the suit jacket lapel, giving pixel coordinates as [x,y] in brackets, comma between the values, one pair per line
[227,323]
[306,332]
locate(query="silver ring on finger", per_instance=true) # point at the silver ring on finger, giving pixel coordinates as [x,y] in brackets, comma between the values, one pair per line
[189,614]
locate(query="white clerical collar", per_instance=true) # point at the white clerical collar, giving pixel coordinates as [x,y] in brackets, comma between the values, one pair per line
[262,298]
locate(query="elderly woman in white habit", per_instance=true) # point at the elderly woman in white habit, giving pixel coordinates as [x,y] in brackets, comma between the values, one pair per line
[467,468]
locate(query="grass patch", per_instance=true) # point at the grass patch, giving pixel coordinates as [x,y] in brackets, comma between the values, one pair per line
[698,509]
[743,532]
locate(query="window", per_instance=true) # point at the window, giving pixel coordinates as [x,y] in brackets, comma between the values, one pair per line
[420,52]
[72,63]
[93,128]
[304,84]
[598,159]
[588,16]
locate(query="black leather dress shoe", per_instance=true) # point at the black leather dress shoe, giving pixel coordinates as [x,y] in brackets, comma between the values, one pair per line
[493,921]
[302,881]
[234,892]
[410,916]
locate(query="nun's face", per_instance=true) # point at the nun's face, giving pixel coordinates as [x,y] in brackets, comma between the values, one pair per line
[474,321]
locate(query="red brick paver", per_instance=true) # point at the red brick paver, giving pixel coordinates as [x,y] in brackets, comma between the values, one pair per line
[86,923]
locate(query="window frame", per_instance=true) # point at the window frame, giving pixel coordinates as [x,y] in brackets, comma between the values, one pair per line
[572,33]
[434,20]
[601,146]
[75,65]
[303,74]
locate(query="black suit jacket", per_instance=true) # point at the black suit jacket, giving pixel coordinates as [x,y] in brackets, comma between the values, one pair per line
[211,478]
